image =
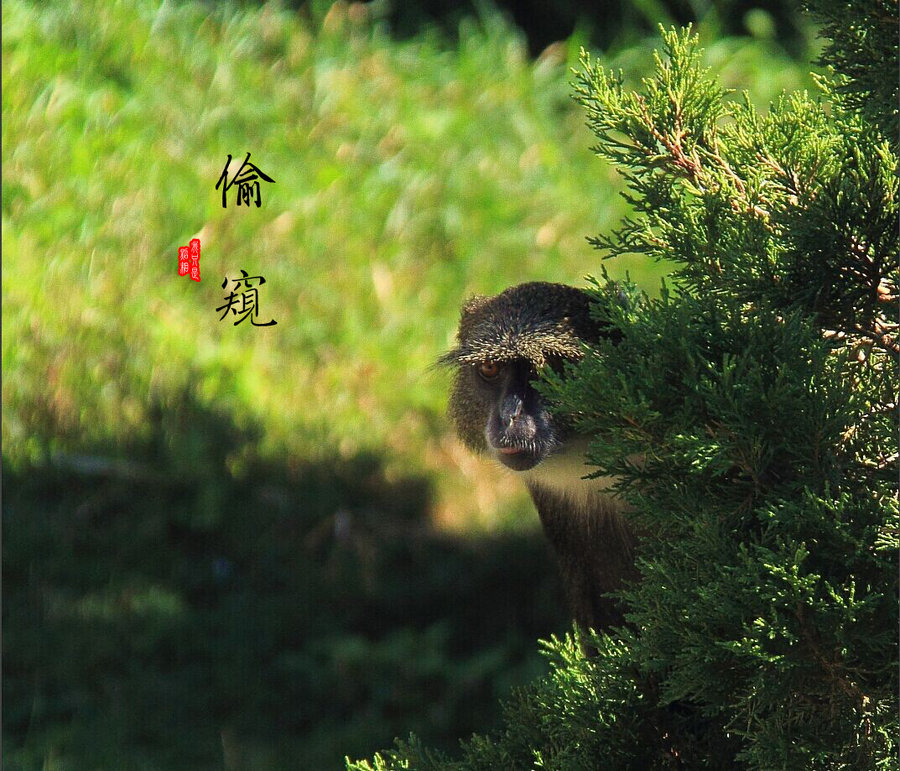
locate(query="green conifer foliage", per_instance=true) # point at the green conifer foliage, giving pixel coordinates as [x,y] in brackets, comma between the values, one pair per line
[750,414]
[862,49]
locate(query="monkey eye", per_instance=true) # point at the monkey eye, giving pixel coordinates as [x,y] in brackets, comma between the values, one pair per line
[489,370]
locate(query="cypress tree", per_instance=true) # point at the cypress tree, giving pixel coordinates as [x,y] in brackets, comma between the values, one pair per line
[750,415]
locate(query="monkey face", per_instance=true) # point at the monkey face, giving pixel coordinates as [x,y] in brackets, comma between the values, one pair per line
[503,342]
[519,430]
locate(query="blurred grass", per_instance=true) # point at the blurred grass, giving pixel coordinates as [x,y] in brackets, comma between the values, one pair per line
[211,528]
[408,176]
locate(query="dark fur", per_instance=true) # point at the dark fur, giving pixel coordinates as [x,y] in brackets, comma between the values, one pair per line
[595,551]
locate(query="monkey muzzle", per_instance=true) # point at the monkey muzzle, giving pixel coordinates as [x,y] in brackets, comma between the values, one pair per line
[515,432]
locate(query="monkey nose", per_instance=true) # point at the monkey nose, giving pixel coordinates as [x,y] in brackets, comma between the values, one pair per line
[512,409]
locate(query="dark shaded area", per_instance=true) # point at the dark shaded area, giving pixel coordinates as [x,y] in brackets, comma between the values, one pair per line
[600,24]
[162,612]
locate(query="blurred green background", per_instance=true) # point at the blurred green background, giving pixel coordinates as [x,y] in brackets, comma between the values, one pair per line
[261,547]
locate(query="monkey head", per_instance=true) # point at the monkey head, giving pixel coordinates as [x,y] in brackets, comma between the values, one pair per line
[504,342]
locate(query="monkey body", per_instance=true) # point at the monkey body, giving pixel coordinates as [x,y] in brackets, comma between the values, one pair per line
[593,546]
[504,343]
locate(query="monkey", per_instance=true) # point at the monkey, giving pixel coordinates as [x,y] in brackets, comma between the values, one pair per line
[503,344]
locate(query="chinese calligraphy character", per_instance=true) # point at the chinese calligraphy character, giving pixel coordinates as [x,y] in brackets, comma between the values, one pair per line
[246,179]
[183,261]
[189,260]
[195,259]
[244,302]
